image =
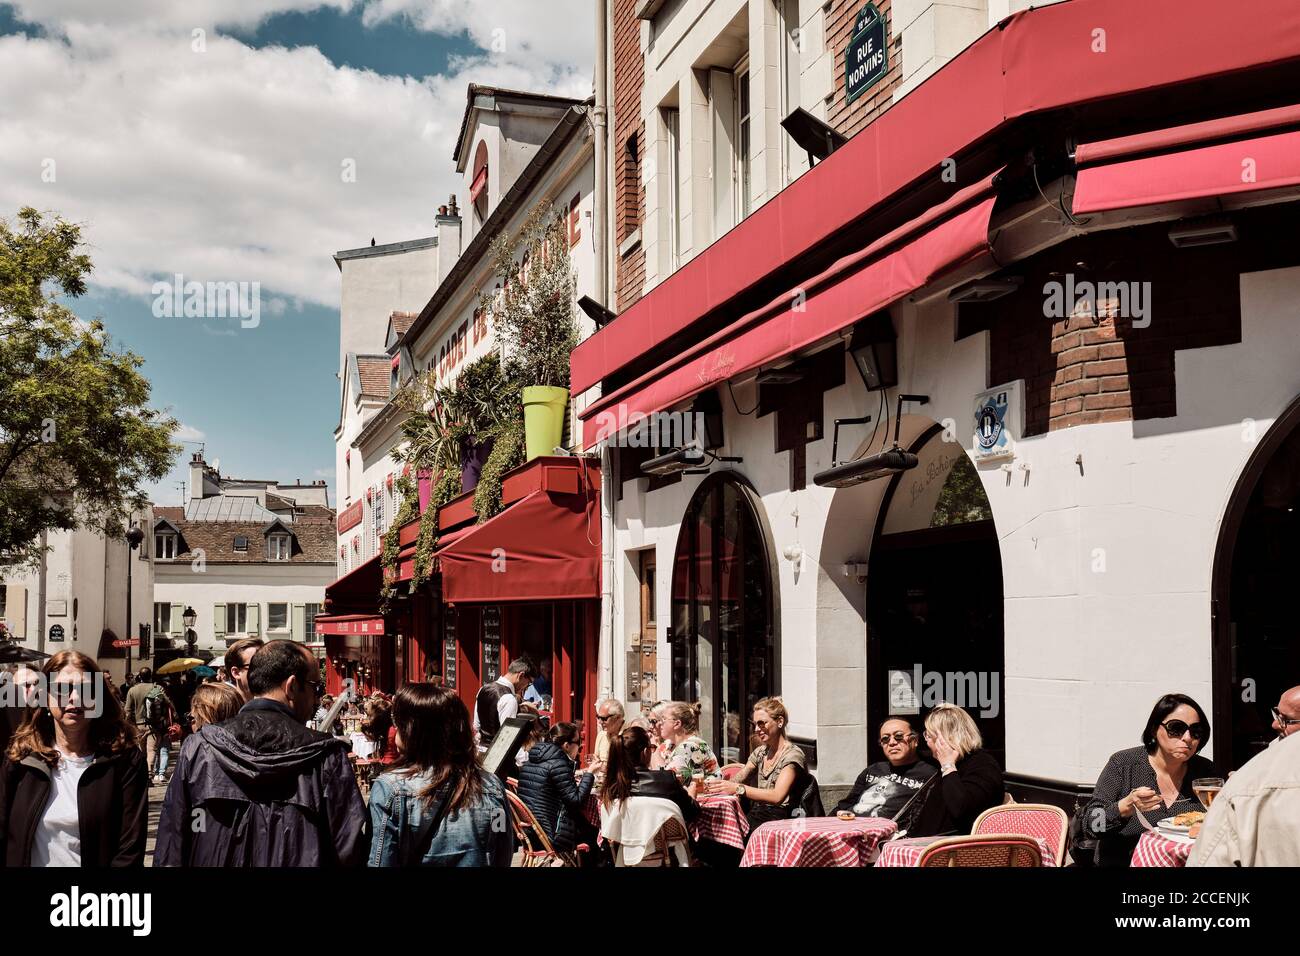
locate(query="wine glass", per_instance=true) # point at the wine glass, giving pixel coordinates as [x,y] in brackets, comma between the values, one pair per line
[1206,789]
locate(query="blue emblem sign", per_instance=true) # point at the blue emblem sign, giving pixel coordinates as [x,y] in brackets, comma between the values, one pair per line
[866,58]
[998,421]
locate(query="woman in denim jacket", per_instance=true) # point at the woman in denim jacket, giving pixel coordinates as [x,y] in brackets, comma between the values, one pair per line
[436,807]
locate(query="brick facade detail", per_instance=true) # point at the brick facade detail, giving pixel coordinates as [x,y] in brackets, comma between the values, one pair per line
[629,183]
[1094,365]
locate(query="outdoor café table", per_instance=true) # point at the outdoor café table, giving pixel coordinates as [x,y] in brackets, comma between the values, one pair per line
[817,841]
[721,819]
[1162,849]
[908,852]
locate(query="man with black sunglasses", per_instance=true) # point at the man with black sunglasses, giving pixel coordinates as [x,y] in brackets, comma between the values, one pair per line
[267,790]
[885,787]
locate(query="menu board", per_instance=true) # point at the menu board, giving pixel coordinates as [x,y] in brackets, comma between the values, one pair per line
[449,648]
[491,643]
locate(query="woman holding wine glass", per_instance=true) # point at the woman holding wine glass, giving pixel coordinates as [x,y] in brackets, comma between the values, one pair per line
[1154,780]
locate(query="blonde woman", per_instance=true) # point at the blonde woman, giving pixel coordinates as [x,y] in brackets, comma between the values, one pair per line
[970,781]
[213,703]
[774,770]
[688,755]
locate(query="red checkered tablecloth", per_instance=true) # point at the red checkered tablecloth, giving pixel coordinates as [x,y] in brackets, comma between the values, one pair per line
[721,819]
[908,852]
[817,841]
[1162,849]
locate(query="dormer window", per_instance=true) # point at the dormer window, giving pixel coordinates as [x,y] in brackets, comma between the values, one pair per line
[241,544]
[278,547]
[164,546]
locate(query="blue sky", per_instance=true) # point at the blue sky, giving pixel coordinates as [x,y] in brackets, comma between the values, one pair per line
[206,138]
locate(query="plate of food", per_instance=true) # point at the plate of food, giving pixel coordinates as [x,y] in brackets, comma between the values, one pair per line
[1183,823]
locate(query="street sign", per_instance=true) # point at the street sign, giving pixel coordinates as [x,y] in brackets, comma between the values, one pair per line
[56,632]
[866,58]
[134,642]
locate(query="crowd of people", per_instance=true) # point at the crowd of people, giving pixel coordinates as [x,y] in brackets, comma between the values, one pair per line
[271,790]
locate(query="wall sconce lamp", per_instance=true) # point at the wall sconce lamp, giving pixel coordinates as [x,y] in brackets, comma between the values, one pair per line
[874,347]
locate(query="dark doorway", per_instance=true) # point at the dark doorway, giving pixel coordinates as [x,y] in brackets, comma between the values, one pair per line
[934,597]
[723,649]
[1257,652]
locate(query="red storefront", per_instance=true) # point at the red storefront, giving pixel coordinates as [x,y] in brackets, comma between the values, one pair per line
[524,583]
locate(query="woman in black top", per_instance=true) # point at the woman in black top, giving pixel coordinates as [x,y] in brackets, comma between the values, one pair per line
[547,786]
[1155,778]
[628,774]
[970,780]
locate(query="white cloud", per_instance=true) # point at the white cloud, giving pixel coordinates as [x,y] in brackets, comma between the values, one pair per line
[187,433]
[226,165]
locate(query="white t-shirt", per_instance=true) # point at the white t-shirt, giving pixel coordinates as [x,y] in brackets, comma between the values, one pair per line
[58,835]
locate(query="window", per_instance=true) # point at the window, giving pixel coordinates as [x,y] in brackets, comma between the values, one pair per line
[791,41]
[162,619]
[742,143]
[164,546]
[3,600]
[672,128]
[723,653]
[278,547]
[309,620]
[236,618]
[277,617]
[631,185]
[241,544]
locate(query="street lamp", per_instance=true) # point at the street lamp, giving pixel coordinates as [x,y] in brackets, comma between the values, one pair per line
[189,617]
[133,537]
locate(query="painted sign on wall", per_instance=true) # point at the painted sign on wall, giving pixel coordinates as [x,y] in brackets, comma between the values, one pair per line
[866,57]
[999,420]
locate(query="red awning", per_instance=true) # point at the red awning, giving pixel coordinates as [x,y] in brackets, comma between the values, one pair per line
[890,268]
[1033,62]
[1224,169]
[349,624]
[545,547]
[358,589]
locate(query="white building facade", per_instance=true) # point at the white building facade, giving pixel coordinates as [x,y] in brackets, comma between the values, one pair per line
[1112,545]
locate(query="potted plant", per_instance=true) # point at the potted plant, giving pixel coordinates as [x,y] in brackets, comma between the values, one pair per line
[536,325]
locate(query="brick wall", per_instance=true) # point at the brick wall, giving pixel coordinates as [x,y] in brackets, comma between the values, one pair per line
[1093,365]
[629,188]
[850,118]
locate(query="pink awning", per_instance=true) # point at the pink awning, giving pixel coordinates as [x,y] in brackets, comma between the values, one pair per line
[894,266]
[1225,169]
[1034,62]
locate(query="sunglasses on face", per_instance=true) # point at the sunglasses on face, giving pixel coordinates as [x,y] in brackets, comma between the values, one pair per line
[897,737]
[1284,720]
[1176,728]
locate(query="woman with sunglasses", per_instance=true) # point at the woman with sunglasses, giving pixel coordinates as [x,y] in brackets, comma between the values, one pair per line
[1155,779]
[75,788]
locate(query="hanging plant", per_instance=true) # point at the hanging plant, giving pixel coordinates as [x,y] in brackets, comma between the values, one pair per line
[406,513]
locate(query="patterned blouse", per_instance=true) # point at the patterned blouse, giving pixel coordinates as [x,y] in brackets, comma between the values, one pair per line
[693,757]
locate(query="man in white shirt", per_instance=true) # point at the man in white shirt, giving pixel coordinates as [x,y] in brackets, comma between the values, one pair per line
[498,701]
[1255,819]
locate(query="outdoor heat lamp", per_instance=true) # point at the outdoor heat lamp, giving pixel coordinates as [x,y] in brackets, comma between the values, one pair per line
[596,312]
[816,138]
[679,459]
[890,462]
[874,348]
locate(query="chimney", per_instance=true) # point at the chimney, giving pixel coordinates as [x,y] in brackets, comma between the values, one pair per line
[197,467]
[448,223]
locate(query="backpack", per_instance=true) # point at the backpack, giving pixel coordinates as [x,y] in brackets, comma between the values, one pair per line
[155,708]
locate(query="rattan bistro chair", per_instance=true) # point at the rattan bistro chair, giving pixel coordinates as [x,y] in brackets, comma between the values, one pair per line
[993,849]
[538,851]
[732,770]
[1042,820]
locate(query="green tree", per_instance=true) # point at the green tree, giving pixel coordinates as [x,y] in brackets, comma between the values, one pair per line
[77,436]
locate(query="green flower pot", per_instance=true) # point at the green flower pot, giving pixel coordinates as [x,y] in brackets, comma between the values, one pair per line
[544,409]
